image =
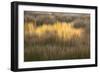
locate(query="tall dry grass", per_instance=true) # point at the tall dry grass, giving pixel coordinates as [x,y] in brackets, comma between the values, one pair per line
[58,41]
[61,30]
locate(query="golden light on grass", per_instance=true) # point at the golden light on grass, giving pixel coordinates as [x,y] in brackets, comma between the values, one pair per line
[56,36]
[62,30]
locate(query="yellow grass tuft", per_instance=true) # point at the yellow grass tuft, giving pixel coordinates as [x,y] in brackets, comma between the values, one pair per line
[62,30]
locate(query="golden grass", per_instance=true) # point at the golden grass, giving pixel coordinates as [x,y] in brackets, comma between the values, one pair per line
[55,42]
[62,30]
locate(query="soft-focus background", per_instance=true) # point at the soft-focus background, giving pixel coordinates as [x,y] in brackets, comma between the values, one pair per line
[5,36]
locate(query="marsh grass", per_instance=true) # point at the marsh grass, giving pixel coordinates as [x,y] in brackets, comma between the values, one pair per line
[57,41]
[64,44]
[48,52]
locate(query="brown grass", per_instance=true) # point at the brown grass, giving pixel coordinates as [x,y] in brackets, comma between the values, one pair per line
[55,42]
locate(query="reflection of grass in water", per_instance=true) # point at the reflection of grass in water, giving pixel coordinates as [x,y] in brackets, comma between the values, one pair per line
[55,42]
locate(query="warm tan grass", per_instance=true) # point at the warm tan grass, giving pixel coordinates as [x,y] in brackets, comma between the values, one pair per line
[55,42]
[62,30]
